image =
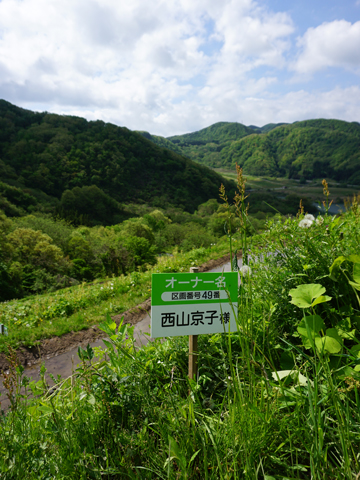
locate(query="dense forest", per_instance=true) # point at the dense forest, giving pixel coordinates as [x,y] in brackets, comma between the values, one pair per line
[83,200]
[91,168]
[309,149]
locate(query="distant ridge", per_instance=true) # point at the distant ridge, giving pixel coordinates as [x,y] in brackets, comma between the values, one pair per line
[306,149]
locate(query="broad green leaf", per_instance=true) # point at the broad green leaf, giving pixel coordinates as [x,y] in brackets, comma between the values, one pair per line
[280,374]
[327,344]
[303,295]
[356,272]
[46,409]
[357,368]
[355,285]
[345,372]
[335,268]
[355,350]
[291,375]
[332,332]
[302,379]
[349,334]
[321,299]
[354,258]
[312,322]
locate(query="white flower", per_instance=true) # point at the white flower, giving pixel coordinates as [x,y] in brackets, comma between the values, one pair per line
[101,288]
[308,216]
[319,220]
[305,223]
[245,270]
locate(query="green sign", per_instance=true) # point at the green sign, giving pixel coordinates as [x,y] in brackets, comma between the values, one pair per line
[193,303]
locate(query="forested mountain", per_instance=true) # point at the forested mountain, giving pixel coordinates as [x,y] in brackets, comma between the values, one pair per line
[309,149]
[91,168]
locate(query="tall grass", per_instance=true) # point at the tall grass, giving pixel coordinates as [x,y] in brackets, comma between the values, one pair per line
[277,399]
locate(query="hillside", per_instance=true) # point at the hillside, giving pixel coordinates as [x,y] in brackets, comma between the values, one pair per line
[308,149]
[91,168]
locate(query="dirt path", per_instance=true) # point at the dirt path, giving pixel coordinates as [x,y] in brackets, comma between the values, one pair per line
[51,347]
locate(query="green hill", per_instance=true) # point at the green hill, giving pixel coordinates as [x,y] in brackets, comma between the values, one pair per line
[60,162]
[308,149]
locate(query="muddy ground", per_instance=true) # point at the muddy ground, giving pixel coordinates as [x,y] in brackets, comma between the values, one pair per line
[51,347]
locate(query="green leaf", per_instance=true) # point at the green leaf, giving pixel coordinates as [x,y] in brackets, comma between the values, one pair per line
[332,332]
[354,258]
[289,376]
[321,299]
[343,329]
[335,268]
[328,344]
[313,322]
[355,350]
[46,409]
[303,295]
[355,285]
[356,272]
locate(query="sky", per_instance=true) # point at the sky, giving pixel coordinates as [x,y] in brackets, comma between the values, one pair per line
[176,66]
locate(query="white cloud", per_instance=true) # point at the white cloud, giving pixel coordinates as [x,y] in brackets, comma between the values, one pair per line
[335,44]
[165,67]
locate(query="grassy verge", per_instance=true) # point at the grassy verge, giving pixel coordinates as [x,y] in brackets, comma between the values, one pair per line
[76,308]
[276,399]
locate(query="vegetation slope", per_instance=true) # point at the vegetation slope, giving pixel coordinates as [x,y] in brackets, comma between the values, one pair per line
[91,168]
[309,149]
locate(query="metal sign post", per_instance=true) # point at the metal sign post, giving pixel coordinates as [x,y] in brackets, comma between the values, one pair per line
[192,304]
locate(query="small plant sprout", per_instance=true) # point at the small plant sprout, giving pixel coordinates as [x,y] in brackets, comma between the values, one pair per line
[242,210]
[326,192]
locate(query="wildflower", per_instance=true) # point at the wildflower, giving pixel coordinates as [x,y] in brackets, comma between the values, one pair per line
[101,288]
[245,270]
[308,216]
[305,223]
[27,325]
[319,220]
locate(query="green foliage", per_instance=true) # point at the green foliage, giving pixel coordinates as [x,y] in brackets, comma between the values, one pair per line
[141,251]
[277,399]
[91,203]
[303,150]
[93,167]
